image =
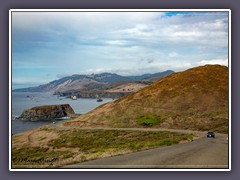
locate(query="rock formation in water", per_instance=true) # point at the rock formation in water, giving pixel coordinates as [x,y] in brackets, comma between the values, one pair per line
[47,113]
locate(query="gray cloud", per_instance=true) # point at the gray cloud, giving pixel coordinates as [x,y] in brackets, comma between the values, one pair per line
[125,42]
[150,60]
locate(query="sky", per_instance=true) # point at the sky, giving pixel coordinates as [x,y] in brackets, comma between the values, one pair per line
[50,45]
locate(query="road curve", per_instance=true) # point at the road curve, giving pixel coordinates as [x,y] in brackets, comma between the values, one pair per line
[201,153]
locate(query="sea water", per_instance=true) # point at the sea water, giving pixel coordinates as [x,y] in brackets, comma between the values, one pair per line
[25,100]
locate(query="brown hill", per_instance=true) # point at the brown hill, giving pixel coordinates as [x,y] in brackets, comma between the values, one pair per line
[194,99]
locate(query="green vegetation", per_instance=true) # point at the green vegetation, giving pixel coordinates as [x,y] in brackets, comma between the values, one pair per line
[149,120]
[81,145]
[46,128]
[195,99]
[100,141]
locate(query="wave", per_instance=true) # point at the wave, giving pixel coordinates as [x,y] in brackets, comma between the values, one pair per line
[14,117]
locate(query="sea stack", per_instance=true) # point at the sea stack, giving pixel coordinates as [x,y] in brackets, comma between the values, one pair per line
[47,113]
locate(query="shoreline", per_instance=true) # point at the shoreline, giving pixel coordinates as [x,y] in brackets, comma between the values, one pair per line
[21,101]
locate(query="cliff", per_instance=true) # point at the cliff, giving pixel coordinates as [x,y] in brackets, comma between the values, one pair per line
[47,113]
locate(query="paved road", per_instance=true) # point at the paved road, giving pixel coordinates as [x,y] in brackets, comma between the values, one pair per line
[201,153]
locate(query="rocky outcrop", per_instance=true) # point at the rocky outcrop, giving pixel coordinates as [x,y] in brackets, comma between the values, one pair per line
[47,113]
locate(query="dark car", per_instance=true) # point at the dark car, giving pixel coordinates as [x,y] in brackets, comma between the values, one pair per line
[211,134]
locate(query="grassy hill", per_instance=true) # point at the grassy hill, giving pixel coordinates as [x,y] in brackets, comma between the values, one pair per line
[195,99]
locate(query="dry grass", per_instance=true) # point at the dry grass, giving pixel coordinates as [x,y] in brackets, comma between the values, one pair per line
[71,146]
[127,87]
[194,99]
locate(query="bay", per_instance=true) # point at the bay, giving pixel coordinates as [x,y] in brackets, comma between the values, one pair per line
[25,100]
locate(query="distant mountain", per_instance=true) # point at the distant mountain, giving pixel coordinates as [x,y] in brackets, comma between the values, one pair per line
[83,82]
[149,76]
[194,99]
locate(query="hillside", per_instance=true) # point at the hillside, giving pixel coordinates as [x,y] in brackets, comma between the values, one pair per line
[194,99]
[89,82]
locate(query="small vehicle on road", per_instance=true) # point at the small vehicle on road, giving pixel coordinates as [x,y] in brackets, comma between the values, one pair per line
[211,134]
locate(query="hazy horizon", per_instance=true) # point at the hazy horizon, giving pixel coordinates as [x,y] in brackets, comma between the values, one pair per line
[89,74]
[49,45]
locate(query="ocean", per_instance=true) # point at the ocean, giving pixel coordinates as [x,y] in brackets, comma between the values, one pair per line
[26,100]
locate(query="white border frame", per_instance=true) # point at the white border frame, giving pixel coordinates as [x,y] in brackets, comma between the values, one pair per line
[118,10]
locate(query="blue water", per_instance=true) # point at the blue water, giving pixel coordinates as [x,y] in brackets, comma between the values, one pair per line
[23,100]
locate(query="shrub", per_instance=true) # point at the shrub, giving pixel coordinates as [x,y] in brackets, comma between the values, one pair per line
[149,120]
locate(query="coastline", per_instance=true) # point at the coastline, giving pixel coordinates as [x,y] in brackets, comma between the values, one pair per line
[26,100]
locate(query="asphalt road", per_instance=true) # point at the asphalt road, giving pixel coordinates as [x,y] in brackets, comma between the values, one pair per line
[201,153]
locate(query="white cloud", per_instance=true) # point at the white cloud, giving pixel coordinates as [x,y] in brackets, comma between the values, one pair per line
[187,34]
[117,42]
[173,55]
[214,61]
[121,42]
[138,30]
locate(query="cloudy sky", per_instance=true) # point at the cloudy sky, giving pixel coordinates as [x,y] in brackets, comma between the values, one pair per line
[49,45]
